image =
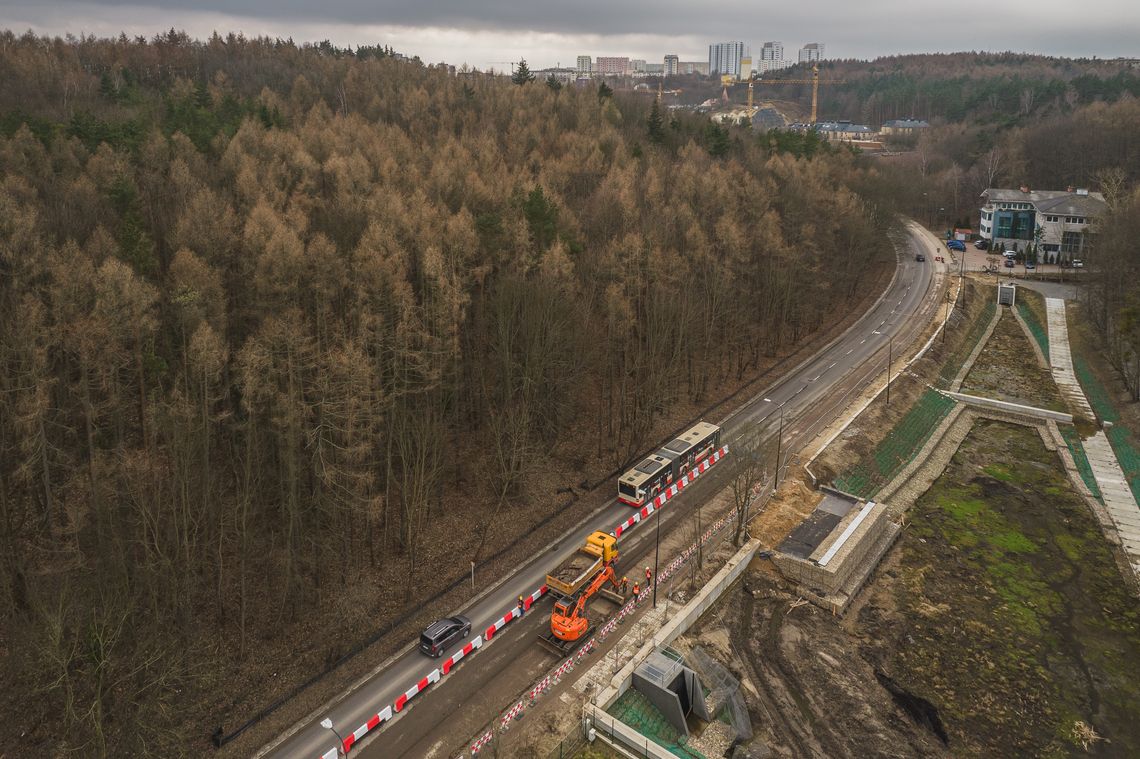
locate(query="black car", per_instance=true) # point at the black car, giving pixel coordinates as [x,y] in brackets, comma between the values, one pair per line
[438,636]
[1009,263]
[920,258]
[981,244]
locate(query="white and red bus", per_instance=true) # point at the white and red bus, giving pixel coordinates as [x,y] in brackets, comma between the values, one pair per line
[657,472]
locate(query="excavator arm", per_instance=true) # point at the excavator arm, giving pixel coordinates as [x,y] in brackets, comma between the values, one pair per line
[573,625]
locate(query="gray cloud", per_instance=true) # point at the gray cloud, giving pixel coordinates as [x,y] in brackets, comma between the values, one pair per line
[547,32]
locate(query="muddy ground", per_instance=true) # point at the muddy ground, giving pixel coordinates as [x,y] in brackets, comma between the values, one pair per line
[1007,370]
[998,625]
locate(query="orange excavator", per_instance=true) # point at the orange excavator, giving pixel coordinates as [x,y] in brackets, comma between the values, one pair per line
[568,622]
[569,625]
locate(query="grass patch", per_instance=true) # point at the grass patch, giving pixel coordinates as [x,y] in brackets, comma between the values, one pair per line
[1041,632]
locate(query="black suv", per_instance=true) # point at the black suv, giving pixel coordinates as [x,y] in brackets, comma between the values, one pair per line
[439,635]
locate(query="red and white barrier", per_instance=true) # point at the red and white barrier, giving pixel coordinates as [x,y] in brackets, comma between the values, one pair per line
[332,753]
[454,659]
[514,613]
[670,492]
[420,687]
[383,715]
[481,741]
[513,712]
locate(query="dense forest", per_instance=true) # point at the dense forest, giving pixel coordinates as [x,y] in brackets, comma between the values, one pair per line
[282,320]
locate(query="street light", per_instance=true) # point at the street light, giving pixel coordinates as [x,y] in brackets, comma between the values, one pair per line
[327,724]
[890,350]
[656,559]
[779,445]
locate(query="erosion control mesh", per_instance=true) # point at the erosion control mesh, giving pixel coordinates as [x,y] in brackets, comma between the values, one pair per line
[724,699]
[1080,458]
[1035,326]
[898,448]
[635,710]
[954,362]
[1123,442]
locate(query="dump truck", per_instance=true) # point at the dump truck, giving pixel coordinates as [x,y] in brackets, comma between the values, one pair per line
[577,571]
[575,581]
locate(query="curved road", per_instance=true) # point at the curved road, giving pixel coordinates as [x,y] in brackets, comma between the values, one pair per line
[809,398]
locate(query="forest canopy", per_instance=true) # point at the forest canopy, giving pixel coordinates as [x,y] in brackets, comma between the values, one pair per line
[275,313]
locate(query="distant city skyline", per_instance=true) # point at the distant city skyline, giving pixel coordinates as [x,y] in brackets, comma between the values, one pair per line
[484,33]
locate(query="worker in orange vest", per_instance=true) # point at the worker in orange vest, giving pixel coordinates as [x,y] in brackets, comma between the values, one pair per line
[648,578]
[636,589]
[624,585]
[522,606]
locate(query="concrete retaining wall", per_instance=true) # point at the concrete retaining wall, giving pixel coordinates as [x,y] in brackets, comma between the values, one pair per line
[1012,408]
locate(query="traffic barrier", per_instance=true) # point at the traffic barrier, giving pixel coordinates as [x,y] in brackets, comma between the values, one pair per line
[420,687]
[381,716]
[478,744]
[514,613]
[513,712]
[454,659]
[332,753]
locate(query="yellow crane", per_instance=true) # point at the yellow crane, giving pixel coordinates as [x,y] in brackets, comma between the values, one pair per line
[815,81]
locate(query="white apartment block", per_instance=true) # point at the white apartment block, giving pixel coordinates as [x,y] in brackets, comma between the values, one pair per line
[585,65]
[724,58]
[772,58]
[811,52]
[672,65]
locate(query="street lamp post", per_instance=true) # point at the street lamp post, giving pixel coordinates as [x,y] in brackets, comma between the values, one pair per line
[779,446]
[656,559]
[327,724]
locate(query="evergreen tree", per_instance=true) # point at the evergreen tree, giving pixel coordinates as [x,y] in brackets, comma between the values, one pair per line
[604,91]
[553,83]
[716,140]
[656,124]
[522,73]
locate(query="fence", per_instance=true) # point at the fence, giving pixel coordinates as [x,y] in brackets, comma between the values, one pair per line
[1121,438]
[1034,324]
[1080,458]
[956,360]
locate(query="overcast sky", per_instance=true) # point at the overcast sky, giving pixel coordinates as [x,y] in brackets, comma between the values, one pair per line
[489,32]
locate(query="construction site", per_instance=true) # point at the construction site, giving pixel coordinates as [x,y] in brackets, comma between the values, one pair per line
[949,569]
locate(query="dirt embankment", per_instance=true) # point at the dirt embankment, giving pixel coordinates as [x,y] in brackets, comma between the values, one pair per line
[997,626]
[1007,370]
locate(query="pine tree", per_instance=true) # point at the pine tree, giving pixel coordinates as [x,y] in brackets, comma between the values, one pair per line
[656,124]
[522,73]
[553,83]
[604,91]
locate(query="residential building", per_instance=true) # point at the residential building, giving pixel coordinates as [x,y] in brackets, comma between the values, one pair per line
[811,52]
[694,67]
[655,68]
[904,126]
[772,58]
[724,58]
[563,75]
[843,131]
[1056,220]
[672,65]
[585,65]
[637,65]
[611,65]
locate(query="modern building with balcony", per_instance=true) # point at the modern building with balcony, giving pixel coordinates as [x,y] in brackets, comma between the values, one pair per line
[1057,221]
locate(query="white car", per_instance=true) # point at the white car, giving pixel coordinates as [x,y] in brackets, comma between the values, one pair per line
[1010,254]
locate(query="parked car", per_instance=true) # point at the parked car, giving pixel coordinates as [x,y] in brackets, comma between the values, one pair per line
[437,636]
[1078,263]
[956,245]
[1010,254]
[1009,263]
[981,244]
[920,258]
[1030,265]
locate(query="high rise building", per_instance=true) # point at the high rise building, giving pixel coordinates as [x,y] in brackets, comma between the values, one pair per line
[672,65]
[812,51]
[612,66]
[724,58]
[585,65]
[637,65]
[772,58]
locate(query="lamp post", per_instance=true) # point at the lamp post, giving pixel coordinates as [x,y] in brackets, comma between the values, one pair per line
[890,351]
[656,559]
[327,724]
[779,446]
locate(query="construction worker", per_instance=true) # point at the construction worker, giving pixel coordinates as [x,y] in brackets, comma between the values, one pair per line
[636,589]
[624,585]
[522,606]
[648,578]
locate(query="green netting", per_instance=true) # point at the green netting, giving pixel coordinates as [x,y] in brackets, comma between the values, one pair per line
[635,710]
[898,448]
[954,362]
[1035,326]
[1121,438]
[1077,449]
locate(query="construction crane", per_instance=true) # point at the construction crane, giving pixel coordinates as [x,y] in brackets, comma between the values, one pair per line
[815,81]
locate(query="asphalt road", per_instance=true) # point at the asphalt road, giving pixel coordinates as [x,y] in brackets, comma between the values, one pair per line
[807,397]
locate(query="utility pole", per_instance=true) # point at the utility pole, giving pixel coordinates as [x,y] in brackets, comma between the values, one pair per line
[779,445]
[656,559]
[890,350]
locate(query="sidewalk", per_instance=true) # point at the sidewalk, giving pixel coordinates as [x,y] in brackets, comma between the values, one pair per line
[1118,498]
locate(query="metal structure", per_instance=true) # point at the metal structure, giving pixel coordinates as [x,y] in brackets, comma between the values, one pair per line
[815,81]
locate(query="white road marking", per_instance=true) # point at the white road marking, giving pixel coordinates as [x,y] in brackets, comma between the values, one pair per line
[850,352]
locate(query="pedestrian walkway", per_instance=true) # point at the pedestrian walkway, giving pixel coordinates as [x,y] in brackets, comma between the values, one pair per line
[1118,498]
[1061,360]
